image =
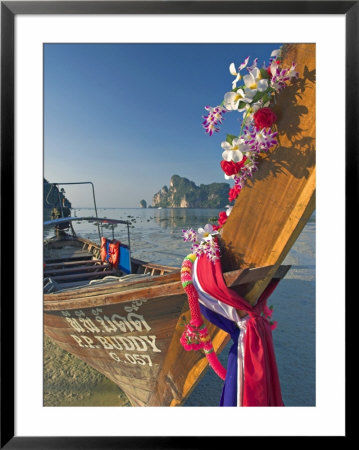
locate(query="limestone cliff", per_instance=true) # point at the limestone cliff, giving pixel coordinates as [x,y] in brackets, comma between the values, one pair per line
[183,193]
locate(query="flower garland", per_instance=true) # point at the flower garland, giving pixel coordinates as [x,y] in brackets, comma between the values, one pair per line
[240,154]
[195,336]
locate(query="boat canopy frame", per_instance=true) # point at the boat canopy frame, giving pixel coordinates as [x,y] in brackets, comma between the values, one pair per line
[89,219]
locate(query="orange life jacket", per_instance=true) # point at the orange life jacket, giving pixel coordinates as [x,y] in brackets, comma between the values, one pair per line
[103,249]
[114,251]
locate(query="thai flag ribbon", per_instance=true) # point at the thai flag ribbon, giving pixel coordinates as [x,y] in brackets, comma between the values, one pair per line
[252,377]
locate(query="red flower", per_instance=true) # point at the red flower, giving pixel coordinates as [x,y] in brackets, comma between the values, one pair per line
[234,192]
[231,167]
[222,218]
[264,118]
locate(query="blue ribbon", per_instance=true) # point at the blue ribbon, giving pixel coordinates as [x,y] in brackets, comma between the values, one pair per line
[229,392]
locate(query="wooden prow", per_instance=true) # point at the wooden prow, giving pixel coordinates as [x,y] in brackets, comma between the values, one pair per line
[274,206]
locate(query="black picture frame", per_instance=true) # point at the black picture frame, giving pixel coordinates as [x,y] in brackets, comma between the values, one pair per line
[9,9]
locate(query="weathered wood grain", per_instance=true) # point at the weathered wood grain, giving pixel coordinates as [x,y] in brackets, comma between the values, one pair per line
[271,211]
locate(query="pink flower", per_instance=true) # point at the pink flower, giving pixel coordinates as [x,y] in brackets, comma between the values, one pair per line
[267,311]
[273,325]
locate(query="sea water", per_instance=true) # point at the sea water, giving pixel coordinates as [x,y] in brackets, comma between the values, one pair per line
[156,236]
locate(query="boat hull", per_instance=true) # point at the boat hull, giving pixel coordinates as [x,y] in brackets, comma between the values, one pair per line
[136,345]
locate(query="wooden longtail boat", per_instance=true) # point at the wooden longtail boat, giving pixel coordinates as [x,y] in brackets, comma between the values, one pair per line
[128,327]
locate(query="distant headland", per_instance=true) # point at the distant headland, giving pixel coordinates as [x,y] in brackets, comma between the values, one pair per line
[183,193]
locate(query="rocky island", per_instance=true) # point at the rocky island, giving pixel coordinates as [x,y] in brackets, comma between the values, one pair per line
[53,198]
[183,193]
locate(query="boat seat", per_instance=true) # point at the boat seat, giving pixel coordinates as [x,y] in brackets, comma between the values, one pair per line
[76,269]
[109,279]
[82,258]
[73,263]
[83,276]
[69,255]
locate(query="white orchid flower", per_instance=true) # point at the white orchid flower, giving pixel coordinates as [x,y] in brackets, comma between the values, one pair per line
[292,72]
[206,233]
[274,68]
[232,99]
[244,64]
[253,65]
[255,82]
[234,152]
[232,70]
[249,110]
[276,53]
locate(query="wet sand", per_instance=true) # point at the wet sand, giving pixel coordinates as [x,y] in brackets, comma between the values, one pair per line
[68,381]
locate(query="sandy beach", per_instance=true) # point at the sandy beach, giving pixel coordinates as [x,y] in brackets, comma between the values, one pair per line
[68,381]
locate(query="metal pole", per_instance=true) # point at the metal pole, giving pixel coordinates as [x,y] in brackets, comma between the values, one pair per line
[128,234]
[60,202]
[98,226]
[94,200]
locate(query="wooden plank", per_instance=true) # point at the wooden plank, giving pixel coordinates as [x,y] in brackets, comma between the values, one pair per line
[84,276]
[271,211]
[159,266]
[244,276]
[73,263]
[168,286]
[82,268]
[68,256]
[114,287]
[166,290]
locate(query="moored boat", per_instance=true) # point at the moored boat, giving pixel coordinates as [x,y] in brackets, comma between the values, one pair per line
[124,321]
[126,318]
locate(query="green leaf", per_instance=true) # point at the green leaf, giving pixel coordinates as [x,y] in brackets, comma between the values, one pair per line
[237,88]
[230,137]
[264,73]
[257,97]
[266,98]
[241,105]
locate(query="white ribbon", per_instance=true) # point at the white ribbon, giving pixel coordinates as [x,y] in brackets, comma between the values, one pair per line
[229,312]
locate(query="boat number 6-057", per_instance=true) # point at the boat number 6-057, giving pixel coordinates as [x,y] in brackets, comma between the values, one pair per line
[133,359]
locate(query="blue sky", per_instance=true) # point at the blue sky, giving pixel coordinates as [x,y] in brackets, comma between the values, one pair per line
[129,116]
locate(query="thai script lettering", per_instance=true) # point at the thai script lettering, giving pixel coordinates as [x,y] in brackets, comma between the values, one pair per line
[113,333]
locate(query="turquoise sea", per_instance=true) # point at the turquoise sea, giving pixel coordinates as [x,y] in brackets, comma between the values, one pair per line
[156,236]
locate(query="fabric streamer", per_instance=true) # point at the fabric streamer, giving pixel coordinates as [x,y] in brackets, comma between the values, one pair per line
[251,378]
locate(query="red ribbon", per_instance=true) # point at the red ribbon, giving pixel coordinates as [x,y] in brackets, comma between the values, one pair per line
[261,378]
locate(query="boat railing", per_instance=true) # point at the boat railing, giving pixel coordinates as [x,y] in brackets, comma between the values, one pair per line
[93,195]
[102,220]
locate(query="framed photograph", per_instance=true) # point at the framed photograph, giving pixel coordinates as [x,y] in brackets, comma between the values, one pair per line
[109,92]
